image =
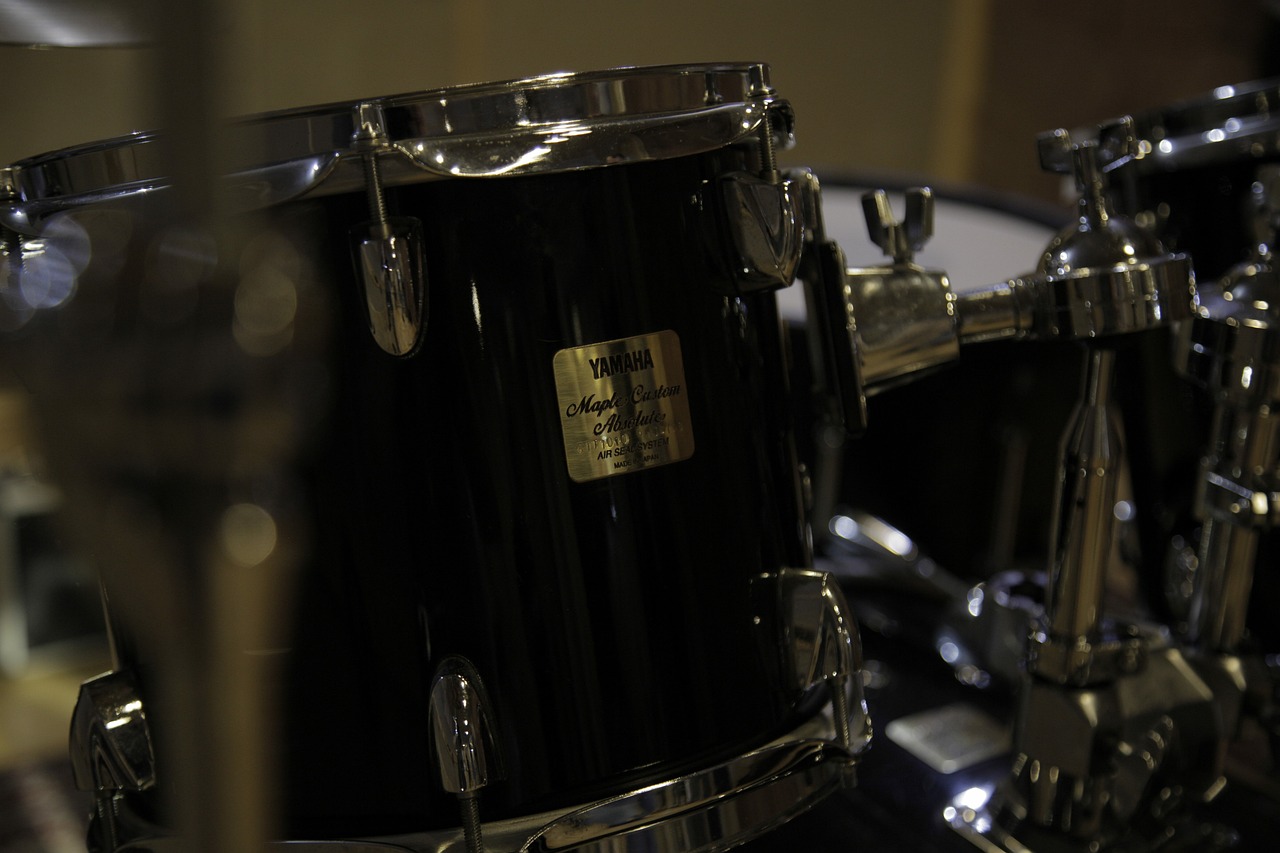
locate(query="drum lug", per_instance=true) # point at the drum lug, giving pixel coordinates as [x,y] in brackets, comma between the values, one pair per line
[462,738]
[820,635]
[765,223]
[111,750]
[388,251]
[766,229]
[388,257]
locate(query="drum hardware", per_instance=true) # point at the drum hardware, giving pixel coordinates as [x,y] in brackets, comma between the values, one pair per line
[825,650]
[388,253]
[1116,735]
[463,740]
[758,86]
[1190,178]
[712,810]
[1201,180]
[1191,182]
[869,548]
[978,239]
[906,314]
[982,633]
[760,210]
[111,750]
[11,249]
[873,328]
[879,325]
[765,229]
[1230,349]
[902,321]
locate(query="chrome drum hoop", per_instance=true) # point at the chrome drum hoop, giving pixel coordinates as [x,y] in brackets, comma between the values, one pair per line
[710,810]
[537,125]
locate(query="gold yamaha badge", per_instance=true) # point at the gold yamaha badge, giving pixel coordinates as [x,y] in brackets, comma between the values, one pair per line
[624,405]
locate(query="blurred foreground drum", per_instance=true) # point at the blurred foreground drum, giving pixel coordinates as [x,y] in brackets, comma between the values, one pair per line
[553,553]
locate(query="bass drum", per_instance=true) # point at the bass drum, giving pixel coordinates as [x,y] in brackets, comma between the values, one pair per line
[554,556]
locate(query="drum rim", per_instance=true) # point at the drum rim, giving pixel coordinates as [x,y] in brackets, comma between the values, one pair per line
[547,123]
[1232,122]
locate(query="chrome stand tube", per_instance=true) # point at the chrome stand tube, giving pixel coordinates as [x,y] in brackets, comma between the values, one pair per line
[1083,528]
[1233,524]
[1232,349]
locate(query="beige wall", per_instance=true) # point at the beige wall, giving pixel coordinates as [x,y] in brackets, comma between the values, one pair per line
[944,89]
[863,76]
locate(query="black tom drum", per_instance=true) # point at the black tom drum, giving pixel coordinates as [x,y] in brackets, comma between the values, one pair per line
[555,556]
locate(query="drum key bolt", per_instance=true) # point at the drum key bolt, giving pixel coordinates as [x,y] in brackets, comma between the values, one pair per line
[758,87]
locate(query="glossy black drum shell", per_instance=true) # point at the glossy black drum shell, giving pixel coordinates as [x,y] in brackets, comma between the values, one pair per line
[623,627]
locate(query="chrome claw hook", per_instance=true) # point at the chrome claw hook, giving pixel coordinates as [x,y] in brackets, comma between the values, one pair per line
[388,252]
